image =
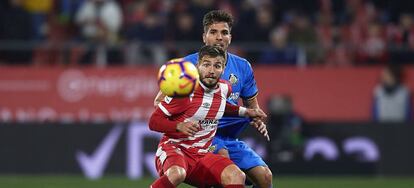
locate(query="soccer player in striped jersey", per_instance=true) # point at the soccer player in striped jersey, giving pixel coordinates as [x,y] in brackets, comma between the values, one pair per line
[189,124]
[217,32]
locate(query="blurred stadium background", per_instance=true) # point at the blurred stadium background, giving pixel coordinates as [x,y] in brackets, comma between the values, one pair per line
[77,80]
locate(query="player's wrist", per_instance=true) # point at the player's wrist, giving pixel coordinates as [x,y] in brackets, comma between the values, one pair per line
[242,111]
[178,127]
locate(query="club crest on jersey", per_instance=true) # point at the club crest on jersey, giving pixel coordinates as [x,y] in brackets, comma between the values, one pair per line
[212,148]
[233,79]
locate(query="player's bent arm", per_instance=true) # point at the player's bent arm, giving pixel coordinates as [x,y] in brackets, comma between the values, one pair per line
[160,96]
[159,122]
[251,102]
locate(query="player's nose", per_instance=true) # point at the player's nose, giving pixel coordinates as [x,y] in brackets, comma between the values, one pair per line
[210,70]
[219,36]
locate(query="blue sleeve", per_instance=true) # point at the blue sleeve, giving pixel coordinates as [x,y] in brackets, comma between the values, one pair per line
[192,58]
[249,88]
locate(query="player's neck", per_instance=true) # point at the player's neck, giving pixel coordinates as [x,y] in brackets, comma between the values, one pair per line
[225,57]
[209,89]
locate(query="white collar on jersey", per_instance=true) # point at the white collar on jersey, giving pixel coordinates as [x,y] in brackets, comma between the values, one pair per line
[209,90]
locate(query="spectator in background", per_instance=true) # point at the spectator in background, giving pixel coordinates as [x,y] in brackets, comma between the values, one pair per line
[40,10]
[286,129]
[280,51]
[145,35]
[262,25]
[392,100]
[302,34]
[373,49]
[335,51]
[401,37]
[15,25]
[99,22]
[181,29]
[67,9]
[184,29]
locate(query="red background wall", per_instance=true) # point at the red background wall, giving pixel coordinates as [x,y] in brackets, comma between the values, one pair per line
[325,94]
[319,94]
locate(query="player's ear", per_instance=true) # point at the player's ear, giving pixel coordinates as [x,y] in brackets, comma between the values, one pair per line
[204,37]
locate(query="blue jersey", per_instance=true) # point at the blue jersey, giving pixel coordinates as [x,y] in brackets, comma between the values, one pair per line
[239,74]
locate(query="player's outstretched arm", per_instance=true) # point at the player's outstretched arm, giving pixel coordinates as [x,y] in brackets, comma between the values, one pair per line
[253,103]
[234,110]
[253,113]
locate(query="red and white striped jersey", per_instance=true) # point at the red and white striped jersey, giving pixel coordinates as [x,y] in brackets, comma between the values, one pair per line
[206,106]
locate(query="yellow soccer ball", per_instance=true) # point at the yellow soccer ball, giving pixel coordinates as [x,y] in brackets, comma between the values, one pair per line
[178,78]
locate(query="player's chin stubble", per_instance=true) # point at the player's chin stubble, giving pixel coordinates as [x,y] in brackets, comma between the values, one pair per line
[209,83]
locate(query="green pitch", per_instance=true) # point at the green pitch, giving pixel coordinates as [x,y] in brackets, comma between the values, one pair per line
[11,181]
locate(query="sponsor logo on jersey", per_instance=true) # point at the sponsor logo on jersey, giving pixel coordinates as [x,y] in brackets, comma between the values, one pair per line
[208,124]
[234,96]
[167,99]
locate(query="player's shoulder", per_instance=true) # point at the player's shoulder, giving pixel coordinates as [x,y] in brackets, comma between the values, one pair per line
[225,83]
[192,58]
[174,105]
[176,100]
[240,61]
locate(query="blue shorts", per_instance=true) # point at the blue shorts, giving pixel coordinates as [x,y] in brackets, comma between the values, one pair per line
[241,154]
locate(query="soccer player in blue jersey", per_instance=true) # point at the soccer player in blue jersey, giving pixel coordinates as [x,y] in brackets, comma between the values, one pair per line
[217,31]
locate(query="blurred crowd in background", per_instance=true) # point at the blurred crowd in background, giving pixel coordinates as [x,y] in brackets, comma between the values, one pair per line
[131,32]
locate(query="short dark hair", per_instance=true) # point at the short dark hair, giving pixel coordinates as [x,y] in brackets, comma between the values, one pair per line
[217,16]
[212,51]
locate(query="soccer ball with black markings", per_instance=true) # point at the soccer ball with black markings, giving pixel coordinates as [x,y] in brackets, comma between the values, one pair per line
[178,78]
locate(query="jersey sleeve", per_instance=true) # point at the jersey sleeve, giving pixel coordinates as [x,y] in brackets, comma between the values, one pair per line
[171,106]
[161,123]
[193,58]
[231,110]
[249,89]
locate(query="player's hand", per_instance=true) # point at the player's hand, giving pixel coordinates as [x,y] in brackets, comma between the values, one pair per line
[255,113]
[223,152]
[188,128]
[261,127]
